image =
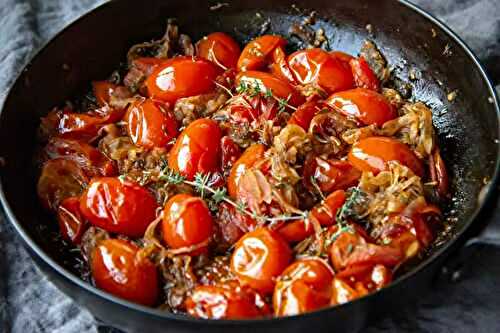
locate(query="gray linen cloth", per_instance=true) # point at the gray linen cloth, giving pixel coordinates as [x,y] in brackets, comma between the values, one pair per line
[30,303]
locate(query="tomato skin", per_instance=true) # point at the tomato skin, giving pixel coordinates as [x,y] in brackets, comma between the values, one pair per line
[148,126]
[304,286]
[186,222]
[305,113]
[197,149]
[329,175]
[256,53]
[219,48]
[279,67]
[118,269]
[365,105]
[105,206]
[373,153]
[231,152]
[250,156]
[342,292]
[102,91]
[342,56]
[232,225]
[181,77]
[259,258]
[72,225]
[364,77]
[316,66]
[373,277]
[59,179]
[266,81]
[226,301]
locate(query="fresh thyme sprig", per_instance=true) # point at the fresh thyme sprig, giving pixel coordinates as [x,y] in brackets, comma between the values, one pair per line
[255,90]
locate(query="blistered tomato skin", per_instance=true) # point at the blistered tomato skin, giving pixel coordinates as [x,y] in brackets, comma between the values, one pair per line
[250,156]
[118,206]
[305,113]
[149,126]
[303,287]
[181,77]
[186,222]
[197,149]
[103,91]
[259,258]
[365,105]
[373,153]
[257,53]
[364,75]
[219,48]
[118,269]
[72,225]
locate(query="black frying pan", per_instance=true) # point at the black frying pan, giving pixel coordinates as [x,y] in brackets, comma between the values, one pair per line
[91,47]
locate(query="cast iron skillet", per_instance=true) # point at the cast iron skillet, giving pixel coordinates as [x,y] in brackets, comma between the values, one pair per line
[95,44]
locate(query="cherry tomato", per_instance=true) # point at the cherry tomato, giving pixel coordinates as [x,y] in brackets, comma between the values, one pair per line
[259,258]
[329,175]
[279,67]
[148,125]
[197,149]
[232,225]
[279,88]
[90,160]
[60,179]
[103,91]
[219,48]
[186,222]
[324,212]
[303,287]
[118,269]
[316,66]
[140,69]
[342,56]
[305,113]
[256,54]
[230,152]
[367,106]
[71,222]
[371,277]
[364,77]
[249,157]
[226,301]
[181,77]
[373,153]
[118,206]
[342,292]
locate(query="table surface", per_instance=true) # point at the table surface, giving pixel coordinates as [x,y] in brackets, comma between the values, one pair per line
[30,303]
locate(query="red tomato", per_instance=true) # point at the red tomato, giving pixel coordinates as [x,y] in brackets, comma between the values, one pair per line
[116,206]
[316,66]
[232,224]
[102,91]
[256,54]
[279,67]
[140,69]
[342,292]
[373,153]
[364,77]
[342,56]
[367,106]
[259,258]
[305,113]
[371,277]
[71,222]
[220,48]
[226,301]
[90,160]
[247,109]
[303,287]
[148,125]
[118,269]
[230,152]
[60,179]
[186,222]
[181,77]
[279,88]
[329,175]
[250,156]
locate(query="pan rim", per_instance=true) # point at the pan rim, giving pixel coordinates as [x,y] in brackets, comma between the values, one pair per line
[162,315]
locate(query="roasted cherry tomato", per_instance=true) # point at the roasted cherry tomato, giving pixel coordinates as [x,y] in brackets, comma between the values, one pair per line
[140,69]
[118,206]
[103,91]
[365,105]
[259,258]
[316,66]
[373,153]
[181,77]
[226,300]
[257,53]
[324,212]
[342,292]
[372,277]
[119,269]
[219,48]
[249,109]
[329,175]
[197,149]
[60,179]
[90,160]
[149,125]
[232,225]
[230,152]
[280,67]
[268,82]
[71,222]
[249,157]
[186,222]
[364,77]
[305,113]
[303,287]
[342,56]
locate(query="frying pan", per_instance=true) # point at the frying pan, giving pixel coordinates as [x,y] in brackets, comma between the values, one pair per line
[468,131]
